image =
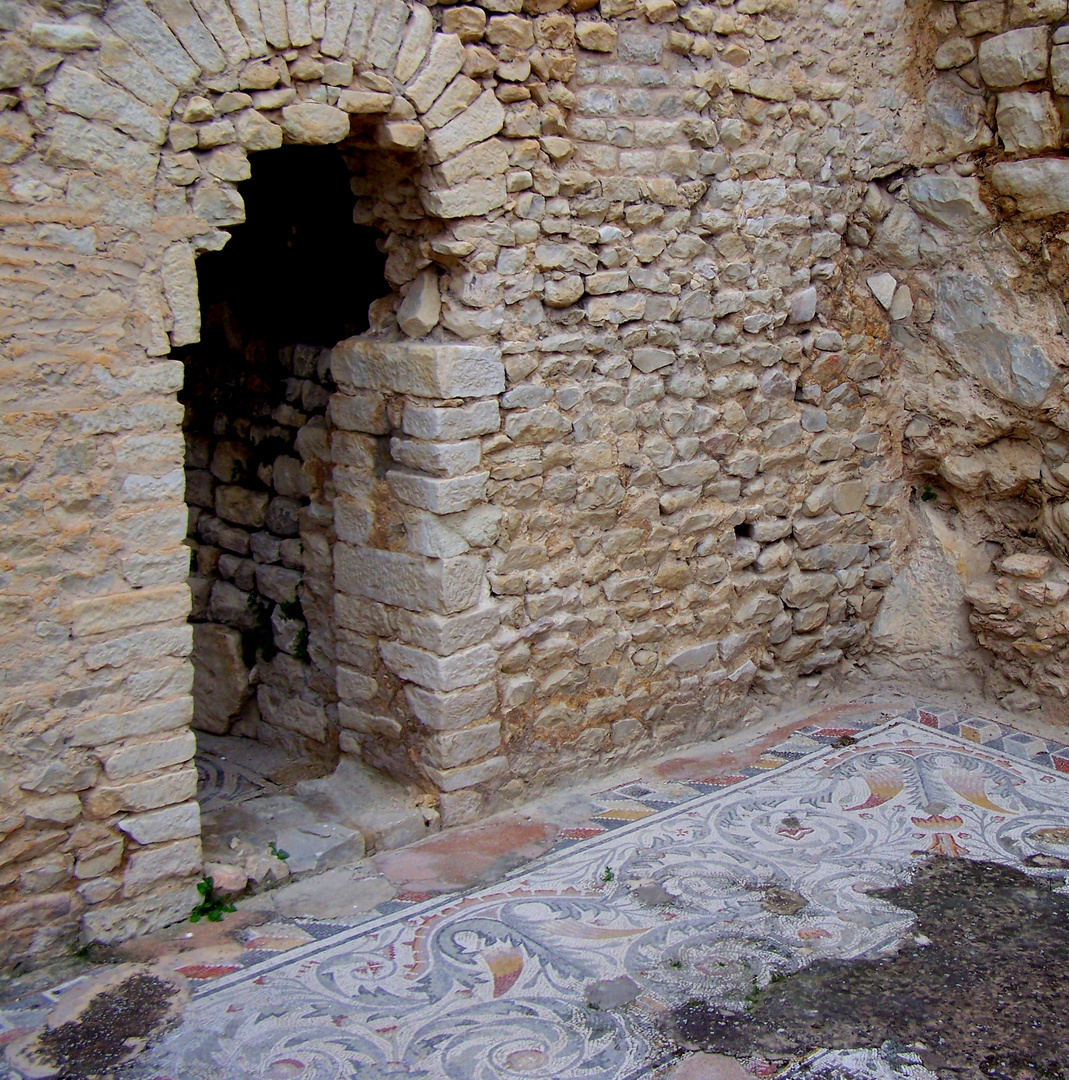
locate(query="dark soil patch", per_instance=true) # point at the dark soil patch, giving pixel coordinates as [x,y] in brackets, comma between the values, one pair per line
[113,1025]
[988,996]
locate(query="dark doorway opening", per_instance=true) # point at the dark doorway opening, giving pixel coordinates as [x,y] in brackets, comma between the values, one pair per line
[293,280]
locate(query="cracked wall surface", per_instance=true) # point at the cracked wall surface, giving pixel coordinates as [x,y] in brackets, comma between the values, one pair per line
[711,327]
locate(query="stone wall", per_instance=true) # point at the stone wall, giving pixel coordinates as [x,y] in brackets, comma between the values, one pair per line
[258,484]
[711,325]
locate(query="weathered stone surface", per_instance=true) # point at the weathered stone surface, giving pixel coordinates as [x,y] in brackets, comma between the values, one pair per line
[426,370]
[419,311]
[483,118]
[409,581]
[314,124]
[1040,185]
[220,679]
[951,201]
[1010,363]
[1027,123]
[1013,58]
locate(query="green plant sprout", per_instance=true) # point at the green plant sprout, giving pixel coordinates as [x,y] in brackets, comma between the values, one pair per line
[277,851]
[212,907]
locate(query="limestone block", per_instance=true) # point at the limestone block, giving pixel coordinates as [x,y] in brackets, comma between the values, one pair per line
[803,306]
[955,52]
[148,913]
[883,286]
[417,39]
[422,369]
[466,667]
[241,506]
[902,304]
[537,426]
[1013,58]
[595,36]
[145,645]
[563,293]
[157,826]
[231,606]
[76,91]
[338,17]
[364,102]
[510,30]
[437,458]
[443,64]
[132,758]
[121,611]
[353,686]
[218,204]
[282,709]
[688,473]
[150,36]
[180,288]
[185,24]
[366,722]
[419,310]
[451,748]
[980,17]
[1040,185]
[16,64]
[444,635]
[220,678]
[484,160]
[468,23]
[951,201]
[1059,69]
[1011,364]
[399,135]
[255,132]
[467,775]
[314,124]
[449,424]
[150,719]
[1027,123]
[179,858]
[1021,564]
[1023,12]
[278,583]
[445,586]
[63,37]
[439,495]
[483,118]
[224,26]
[456,97]
[360,411]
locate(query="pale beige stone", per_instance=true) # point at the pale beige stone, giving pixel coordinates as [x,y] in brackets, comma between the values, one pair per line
[314,124]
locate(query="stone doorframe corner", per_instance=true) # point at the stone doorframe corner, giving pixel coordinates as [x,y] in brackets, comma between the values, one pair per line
[424,598]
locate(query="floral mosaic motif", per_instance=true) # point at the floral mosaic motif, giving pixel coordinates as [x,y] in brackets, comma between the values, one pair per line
[707,895]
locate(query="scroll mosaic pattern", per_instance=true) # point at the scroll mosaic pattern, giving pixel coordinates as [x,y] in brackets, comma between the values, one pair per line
[688,889]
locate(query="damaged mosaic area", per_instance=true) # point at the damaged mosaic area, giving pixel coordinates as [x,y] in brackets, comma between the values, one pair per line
[676,892]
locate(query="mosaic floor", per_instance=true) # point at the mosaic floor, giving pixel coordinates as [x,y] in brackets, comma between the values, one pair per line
[674,890]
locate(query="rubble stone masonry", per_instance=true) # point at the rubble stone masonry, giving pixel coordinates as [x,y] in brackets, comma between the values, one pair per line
[723,363]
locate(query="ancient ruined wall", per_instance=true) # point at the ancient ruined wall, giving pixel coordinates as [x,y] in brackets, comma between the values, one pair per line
[689,301]
[976,234]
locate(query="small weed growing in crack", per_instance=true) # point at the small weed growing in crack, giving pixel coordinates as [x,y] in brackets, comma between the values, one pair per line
[675,963]
[928,494]
[212,907]
[608,875]
[277,851]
